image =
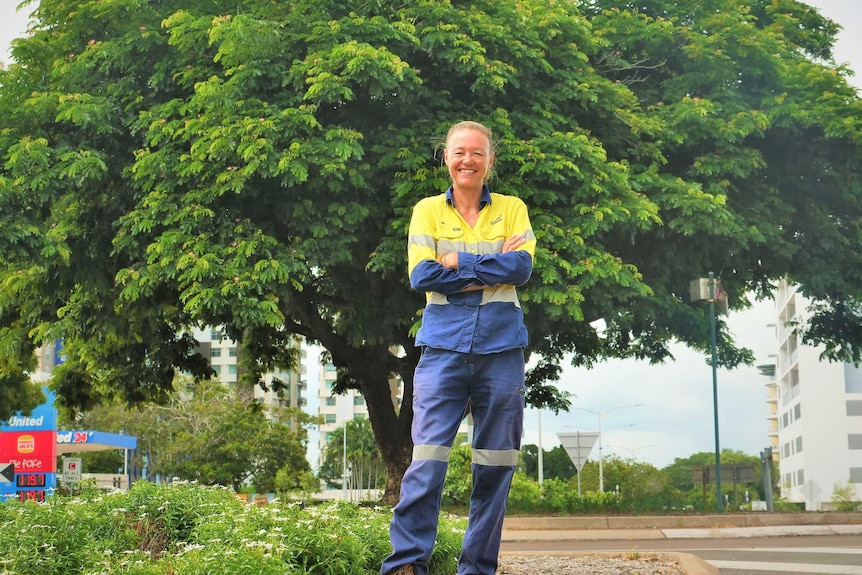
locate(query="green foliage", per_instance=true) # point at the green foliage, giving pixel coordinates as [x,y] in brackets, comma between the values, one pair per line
[196,530]
[681,478]
[524,494]
[168,165]
[459,476]
[208,433]
[556,463]
[844,497]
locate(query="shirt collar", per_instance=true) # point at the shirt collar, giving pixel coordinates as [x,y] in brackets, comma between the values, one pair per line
[483,201]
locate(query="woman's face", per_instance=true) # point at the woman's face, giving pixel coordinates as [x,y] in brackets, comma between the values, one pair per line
[469,158]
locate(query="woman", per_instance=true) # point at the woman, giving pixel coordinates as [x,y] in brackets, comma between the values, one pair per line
[467,249]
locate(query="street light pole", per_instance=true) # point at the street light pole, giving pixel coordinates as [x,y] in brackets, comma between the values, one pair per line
[632,450]
[344,464]
[712,295]
[599,415]
[709,289]
[541,462]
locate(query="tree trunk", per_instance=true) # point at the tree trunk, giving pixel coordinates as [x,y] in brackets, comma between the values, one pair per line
[371,369]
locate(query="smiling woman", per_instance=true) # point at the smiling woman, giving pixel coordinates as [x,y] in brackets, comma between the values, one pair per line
[468,249]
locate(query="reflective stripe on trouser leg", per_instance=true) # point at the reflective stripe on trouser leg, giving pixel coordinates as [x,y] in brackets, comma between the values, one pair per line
[497,401]
[440,391]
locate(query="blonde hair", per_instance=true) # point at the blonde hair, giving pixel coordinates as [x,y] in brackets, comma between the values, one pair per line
[482,129]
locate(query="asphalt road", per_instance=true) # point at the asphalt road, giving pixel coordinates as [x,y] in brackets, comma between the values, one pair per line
[797,555]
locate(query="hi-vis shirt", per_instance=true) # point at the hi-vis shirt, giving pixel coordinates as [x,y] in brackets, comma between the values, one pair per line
[489,320]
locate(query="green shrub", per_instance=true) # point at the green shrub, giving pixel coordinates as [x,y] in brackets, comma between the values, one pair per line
[195,530]
[525,493]
[843,497]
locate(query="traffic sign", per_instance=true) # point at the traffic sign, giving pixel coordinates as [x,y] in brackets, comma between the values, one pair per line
[7,473]
[71,469]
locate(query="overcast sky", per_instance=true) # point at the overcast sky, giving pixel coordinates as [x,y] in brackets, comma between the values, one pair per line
[676,415]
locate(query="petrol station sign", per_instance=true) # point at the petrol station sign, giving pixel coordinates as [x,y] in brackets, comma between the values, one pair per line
[29,444]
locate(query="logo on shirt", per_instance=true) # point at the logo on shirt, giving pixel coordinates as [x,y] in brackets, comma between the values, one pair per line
[497,220]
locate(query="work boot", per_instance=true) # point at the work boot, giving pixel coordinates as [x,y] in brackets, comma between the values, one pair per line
[403,570]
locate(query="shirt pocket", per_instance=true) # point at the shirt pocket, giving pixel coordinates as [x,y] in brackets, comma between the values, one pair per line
[491,238]
[450,240]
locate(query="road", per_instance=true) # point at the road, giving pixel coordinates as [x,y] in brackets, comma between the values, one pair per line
[799,555]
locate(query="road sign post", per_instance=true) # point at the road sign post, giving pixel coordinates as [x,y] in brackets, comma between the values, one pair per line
[71,470]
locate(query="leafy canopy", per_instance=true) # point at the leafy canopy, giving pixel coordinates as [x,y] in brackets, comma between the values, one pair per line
[253,165]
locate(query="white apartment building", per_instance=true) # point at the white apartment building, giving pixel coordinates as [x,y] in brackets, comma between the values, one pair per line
[338,409]
[815,414]
[224,356]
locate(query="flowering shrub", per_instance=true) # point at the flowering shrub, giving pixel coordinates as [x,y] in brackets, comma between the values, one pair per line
[193,530]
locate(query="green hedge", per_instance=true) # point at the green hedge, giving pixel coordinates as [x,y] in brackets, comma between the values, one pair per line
[193,530]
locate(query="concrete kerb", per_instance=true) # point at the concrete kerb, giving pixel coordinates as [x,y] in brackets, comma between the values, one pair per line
[676,527]
[680,521]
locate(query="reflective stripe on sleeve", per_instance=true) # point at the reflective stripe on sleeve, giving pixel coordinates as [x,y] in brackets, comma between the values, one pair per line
[445,246]
[432,452]
[495,457]
[422,241]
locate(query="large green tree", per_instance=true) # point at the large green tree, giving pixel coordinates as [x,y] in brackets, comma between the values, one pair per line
[253,165]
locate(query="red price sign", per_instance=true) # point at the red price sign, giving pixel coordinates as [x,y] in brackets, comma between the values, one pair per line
[30,480]
[32,496]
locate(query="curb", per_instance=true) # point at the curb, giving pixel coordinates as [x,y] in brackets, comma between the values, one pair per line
[533,535]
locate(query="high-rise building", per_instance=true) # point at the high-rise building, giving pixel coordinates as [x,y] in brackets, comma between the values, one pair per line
[815,413]
[225,355]
[336,410]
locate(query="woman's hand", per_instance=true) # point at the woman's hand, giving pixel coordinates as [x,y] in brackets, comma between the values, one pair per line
[514,243]
[449,260]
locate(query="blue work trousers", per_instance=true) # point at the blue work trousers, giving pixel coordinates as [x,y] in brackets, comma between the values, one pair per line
[446,386]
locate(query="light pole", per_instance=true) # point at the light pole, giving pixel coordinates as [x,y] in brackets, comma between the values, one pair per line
[632,450]
[541,462]
[713,294]
[599,415]
[344,464]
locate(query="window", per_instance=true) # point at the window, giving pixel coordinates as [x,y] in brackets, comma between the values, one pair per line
[854,408]
[330,385]
[852,378]
[800,477]
[797,411]
[784,420]
[330,401]
[358,400]
[215,335]
[799,444]
[216,369]
[231,352]
[854,440]
[856,475]
[330,418]
[329,367]
[215,352]
[329,436]
[231,369]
